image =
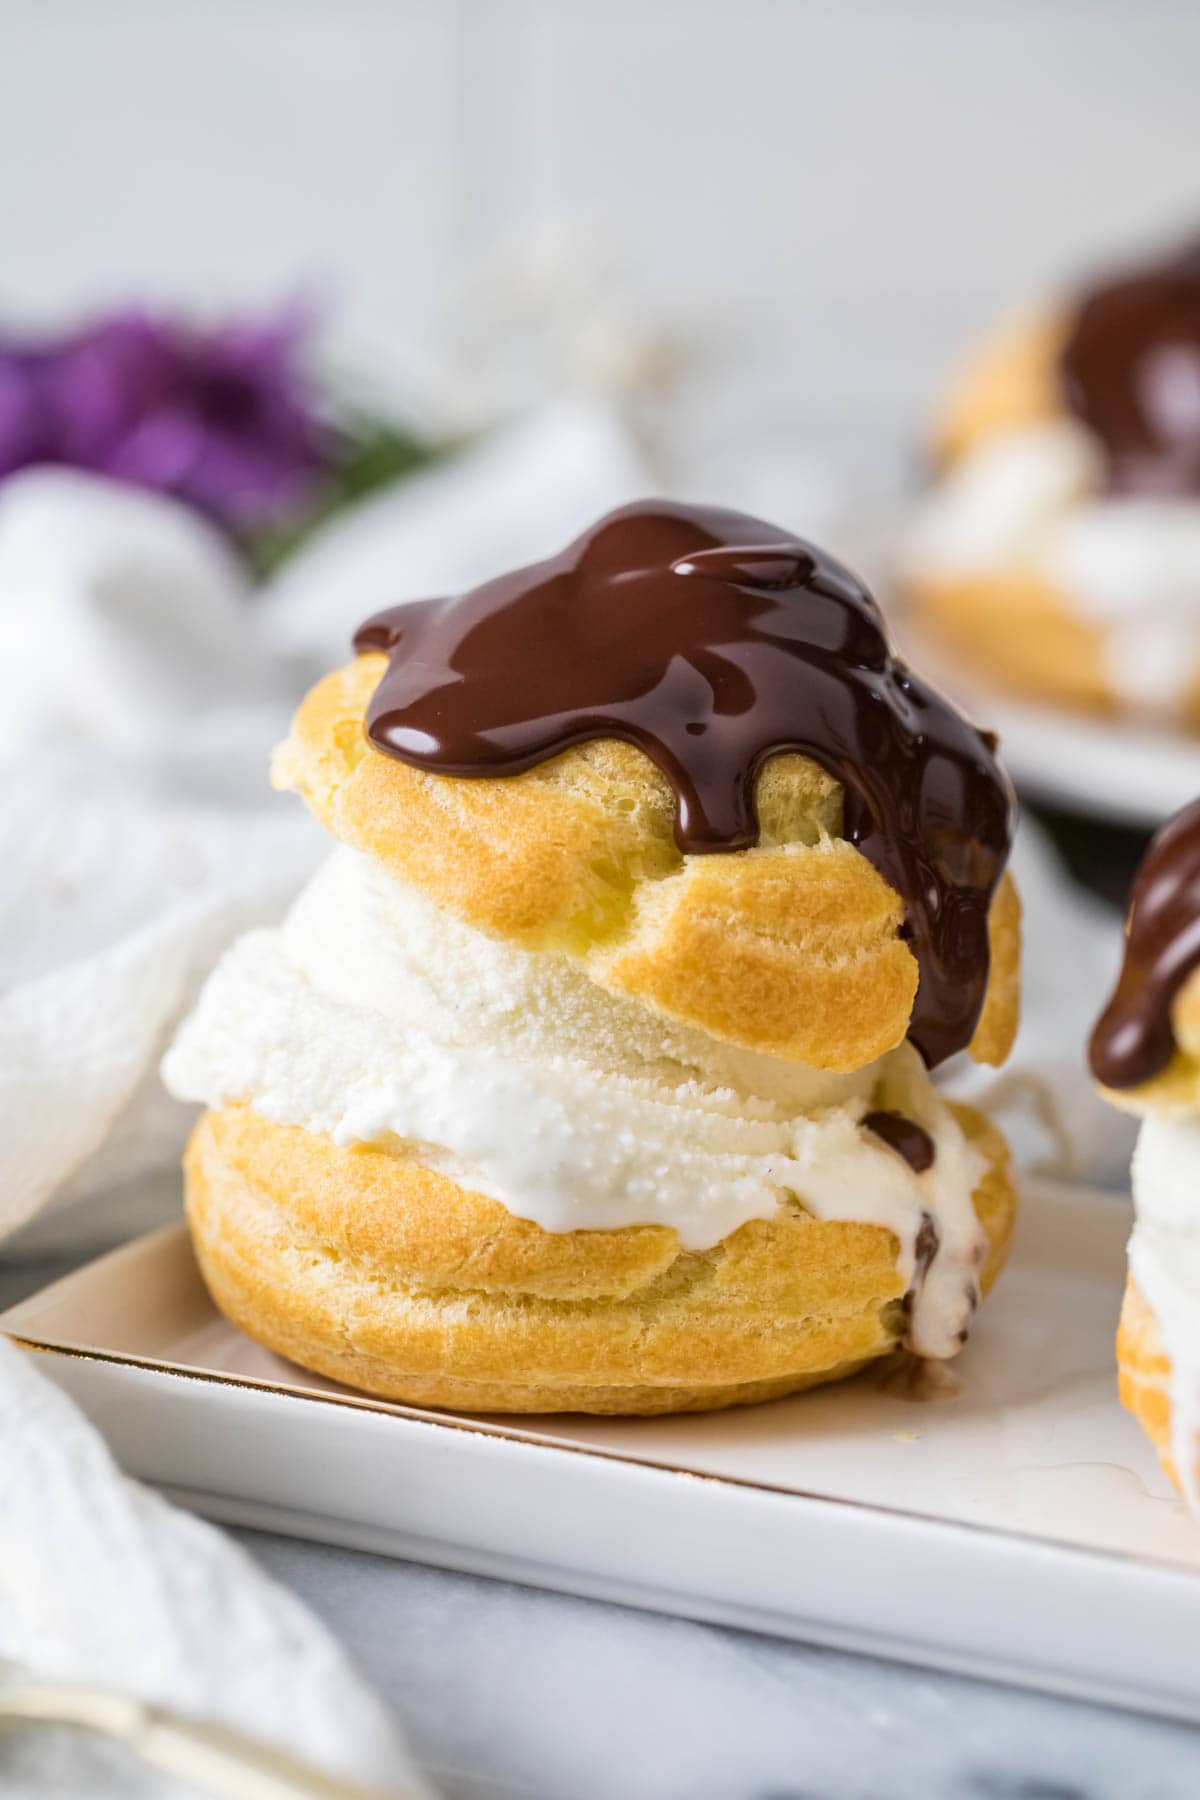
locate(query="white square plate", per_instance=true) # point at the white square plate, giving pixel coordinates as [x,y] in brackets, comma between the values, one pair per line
[1021,1530]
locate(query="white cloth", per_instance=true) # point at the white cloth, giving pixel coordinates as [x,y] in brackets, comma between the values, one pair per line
[102,1581]
[114,904]
[134,705]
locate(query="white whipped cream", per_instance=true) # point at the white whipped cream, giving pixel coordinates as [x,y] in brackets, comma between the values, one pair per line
[374,1016]
[1030,500]
[1164,1260]
[998,502]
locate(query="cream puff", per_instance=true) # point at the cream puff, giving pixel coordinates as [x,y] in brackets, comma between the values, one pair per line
[591,1072]
[1145,1052]
[1058,550]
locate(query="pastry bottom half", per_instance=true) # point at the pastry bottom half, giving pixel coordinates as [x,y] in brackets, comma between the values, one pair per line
[370,1268]
[1144,1373]
[1015,628]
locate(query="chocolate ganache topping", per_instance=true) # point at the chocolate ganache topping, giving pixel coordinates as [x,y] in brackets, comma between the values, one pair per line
[712,641]
[1133,1040]
[905,1137]
[1130,371]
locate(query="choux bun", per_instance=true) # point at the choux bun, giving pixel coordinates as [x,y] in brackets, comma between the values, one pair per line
[598,1080]
[382,1274]
[1057,549]
[793,949]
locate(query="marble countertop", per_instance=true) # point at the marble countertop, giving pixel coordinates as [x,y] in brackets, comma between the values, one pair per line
[508,1691]
[505,1690]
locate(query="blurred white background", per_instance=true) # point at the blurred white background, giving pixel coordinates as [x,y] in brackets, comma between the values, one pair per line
[821,201]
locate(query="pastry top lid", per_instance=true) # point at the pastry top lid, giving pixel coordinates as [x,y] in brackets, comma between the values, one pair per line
[1133,1040]
[711,641]
[1130,371]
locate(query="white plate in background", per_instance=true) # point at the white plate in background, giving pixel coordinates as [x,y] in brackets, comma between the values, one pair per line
[1021,1531]
[1123,774]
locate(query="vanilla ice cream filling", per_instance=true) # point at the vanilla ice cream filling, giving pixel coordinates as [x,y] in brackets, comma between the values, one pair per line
[1029,500]
[374,1017]
[1164,1260]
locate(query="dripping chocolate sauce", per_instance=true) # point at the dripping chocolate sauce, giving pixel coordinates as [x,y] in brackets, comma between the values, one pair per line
[1133,1040]
[926,1245]
[1130,371]
[906,1138]
[712,641]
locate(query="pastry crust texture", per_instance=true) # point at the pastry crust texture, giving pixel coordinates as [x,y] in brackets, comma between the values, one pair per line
[793,948]
[367,1266]
[1144,1370]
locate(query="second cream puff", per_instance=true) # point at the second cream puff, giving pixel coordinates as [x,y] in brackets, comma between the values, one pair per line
[1058,547]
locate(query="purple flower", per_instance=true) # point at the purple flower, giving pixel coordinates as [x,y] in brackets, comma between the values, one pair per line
[224,418]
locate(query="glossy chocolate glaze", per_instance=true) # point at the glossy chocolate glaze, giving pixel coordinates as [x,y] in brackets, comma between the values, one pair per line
[1133,1040]
[905,1137]
[712,641]
[1131,372]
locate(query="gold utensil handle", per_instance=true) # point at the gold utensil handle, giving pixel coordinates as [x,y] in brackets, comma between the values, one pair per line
[225,1762]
